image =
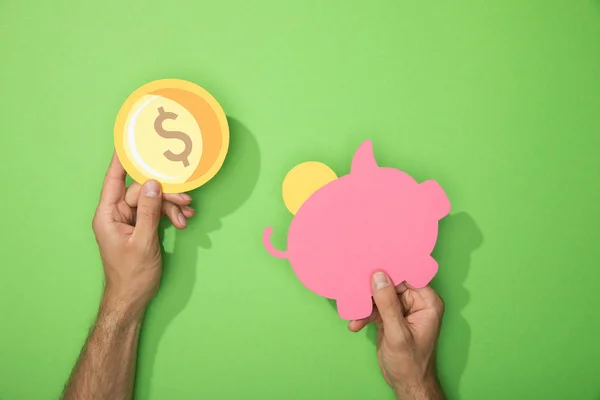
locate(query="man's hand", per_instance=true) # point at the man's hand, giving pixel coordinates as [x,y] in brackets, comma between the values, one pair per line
[126,225]
[408,325]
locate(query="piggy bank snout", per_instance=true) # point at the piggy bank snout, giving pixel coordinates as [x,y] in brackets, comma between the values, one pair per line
[434,199]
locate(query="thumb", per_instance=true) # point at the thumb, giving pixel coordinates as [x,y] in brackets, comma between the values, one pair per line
[149,211]
[388,305]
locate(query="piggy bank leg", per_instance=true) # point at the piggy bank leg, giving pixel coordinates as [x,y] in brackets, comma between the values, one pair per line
[355,308]
[423,272]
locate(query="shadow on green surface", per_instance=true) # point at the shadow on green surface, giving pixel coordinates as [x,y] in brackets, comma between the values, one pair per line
[221,196]
[458,237]
[232,186]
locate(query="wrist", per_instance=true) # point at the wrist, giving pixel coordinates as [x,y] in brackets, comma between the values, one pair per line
[120,309]
[427,388]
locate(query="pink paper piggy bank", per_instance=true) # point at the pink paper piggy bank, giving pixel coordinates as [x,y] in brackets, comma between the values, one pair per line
[373,219]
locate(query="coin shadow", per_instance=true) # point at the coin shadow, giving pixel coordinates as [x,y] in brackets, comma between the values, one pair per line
[459,236]
[232,186]
[221,196]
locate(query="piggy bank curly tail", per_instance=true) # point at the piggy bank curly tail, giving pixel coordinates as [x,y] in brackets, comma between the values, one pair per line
[267,242]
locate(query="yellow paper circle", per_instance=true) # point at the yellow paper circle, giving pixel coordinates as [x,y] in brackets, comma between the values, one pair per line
[173,131]
[302,181]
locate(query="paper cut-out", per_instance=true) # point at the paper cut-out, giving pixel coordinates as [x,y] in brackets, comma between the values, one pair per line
[172,131]
[373,219]
[302,181]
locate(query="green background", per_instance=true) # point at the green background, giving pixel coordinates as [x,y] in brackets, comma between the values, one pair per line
[497,100]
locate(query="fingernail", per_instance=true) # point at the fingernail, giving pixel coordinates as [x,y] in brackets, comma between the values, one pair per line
[380,280]
[151,189]
[182,219]
[185,196]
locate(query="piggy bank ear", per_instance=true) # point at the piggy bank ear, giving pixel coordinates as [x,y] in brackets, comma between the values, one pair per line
[363,159]
[435,199]
[302,181]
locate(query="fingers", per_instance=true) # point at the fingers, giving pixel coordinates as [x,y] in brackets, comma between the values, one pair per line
[358,325]
[405,294]
[175,214]
[382,281]
[188,212]
[431,299]
[181,199]
[133,194]
[149,211]
[402,287]
[175,206]
[427,297]
[388,304]
[113,188]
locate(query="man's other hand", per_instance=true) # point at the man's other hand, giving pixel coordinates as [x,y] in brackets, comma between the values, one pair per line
[408,326]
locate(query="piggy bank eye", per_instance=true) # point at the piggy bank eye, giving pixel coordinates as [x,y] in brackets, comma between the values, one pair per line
[302,181]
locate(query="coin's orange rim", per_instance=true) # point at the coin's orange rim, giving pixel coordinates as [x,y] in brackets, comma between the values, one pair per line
[175,84]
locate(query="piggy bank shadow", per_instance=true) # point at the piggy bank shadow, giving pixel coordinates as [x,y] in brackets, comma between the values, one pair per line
[458,237]
[221,196]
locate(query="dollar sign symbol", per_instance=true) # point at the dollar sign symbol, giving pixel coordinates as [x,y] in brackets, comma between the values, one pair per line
[183,156]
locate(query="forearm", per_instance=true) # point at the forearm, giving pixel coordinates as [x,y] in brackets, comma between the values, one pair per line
[106,366]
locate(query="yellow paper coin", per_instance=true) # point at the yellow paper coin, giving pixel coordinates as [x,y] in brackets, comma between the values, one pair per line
[172,131]
[302,181]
